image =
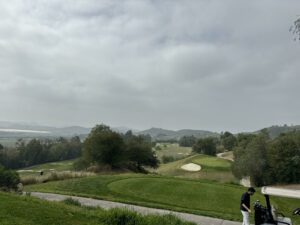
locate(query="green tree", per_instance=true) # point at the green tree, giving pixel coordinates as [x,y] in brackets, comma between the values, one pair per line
[206,146]
[33,153]
[284,158]
[139,153]
[228,140]
[251,161]
[9,179]
[103,146]
[187,141]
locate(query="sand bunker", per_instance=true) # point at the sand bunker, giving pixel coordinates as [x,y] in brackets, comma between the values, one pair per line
[191,167]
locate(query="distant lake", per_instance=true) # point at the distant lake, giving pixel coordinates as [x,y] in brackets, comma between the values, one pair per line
[24,131]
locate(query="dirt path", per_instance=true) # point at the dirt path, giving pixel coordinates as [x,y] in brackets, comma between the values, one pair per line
[203,220]
[223,156]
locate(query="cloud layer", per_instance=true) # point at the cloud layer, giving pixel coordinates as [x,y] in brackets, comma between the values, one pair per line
[218,65]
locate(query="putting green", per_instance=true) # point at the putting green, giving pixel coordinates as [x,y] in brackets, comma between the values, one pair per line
[200,196]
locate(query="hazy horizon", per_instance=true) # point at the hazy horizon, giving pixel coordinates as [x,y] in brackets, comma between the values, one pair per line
[122,127]
[208,65]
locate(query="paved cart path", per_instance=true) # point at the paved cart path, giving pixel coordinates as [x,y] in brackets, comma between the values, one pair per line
[203,220]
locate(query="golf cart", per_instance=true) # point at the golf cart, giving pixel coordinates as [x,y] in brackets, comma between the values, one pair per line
[267,215]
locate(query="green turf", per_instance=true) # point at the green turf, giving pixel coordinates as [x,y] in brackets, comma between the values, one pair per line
[21,210]
[213,168]
[194,196]
[211,163]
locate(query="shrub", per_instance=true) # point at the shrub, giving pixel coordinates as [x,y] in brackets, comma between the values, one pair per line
[167,159]
[121,217]
[157,148]
[127,217]
[80,164]
[9,179]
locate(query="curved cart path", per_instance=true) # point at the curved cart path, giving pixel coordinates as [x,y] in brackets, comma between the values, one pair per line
[203,220]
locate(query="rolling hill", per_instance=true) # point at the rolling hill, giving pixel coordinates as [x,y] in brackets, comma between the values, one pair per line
[163,134]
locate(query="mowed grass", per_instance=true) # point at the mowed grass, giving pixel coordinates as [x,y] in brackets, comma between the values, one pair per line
[213,168]
[194,196]
[21,210]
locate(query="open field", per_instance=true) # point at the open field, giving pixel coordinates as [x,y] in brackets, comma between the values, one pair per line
[212,168]
[193,196]
[21,210]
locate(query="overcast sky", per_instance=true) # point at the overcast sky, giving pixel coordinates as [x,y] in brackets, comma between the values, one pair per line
[201,64]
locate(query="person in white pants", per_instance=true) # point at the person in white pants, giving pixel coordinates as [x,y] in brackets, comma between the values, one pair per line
[245,205]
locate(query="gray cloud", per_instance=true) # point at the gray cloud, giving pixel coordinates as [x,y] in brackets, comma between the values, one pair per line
[195,64]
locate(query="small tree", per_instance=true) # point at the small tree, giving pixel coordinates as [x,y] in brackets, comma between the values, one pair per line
[228,140]
[187,141]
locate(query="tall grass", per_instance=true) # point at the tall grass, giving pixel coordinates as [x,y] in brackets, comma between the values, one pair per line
[53,176]
[127,217]
[72,201]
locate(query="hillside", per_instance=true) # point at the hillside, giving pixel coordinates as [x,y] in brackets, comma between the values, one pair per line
[163,134]
[275,131]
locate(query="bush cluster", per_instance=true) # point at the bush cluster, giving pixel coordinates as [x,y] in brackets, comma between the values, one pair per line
[9,179]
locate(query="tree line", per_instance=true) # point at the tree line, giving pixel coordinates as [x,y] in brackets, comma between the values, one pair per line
[38,151]
[209,145]
[268,161]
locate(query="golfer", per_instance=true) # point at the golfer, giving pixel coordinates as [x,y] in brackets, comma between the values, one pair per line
[245,205]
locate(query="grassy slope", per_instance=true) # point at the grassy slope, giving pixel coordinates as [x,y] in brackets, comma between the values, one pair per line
[21,210]
[194,196]
[47,167]
[17,210]
[59,166]
[213,168]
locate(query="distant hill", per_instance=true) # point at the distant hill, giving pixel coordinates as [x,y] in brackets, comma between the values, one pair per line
[9,129]
[162,134]
[21,130]
[275,131]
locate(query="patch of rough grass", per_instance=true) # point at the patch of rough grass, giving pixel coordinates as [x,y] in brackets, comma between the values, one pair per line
[54,176]
[72,201]
[127,217]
